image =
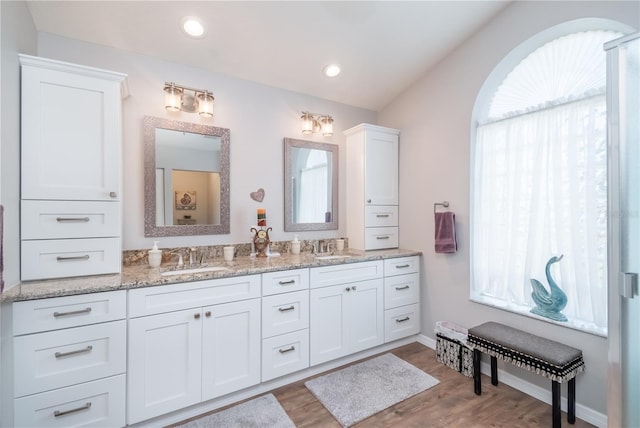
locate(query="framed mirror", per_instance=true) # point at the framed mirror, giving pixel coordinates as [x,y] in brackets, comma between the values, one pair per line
[186,178]
[310,185]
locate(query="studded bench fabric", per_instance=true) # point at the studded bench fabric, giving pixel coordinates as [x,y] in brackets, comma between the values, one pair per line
[547,358]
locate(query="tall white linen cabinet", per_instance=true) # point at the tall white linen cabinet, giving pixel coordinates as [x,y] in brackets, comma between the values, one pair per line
[372,187]
[71,169]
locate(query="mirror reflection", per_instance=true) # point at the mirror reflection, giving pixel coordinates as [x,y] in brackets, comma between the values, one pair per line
[311,185]
[186,178]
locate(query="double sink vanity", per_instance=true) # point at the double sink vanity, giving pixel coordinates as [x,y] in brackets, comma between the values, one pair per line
[100,339]
[136,347]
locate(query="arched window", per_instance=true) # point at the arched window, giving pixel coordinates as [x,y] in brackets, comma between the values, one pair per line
[539,179]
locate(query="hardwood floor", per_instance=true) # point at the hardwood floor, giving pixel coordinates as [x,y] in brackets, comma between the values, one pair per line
[451,403]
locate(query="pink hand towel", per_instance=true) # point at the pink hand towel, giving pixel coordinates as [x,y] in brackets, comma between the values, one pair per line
[445,232]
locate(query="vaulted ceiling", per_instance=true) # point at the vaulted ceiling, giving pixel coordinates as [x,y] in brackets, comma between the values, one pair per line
[381,46]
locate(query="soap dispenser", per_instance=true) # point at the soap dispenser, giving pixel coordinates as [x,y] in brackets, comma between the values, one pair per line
[155,256]
[295,245]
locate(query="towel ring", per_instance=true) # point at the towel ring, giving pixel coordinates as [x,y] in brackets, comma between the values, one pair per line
[444,204]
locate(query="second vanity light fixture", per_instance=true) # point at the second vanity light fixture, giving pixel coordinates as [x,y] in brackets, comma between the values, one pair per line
[314,122]
[183,98]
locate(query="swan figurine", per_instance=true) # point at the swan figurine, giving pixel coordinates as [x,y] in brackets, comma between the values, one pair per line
[549,303]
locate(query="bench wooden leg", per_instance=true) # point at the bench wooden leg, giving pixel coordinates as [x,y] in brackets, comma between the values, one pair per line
[494,371]
[571,401]
[477,387]
[555,404]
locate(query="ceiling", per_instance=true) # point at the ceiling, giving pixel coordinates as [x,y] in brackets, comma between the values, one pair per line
[382,46]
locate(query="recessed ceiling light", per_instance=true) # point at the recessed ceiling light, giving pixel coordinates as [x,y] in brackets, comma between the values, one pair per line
[332,70]
[192,27]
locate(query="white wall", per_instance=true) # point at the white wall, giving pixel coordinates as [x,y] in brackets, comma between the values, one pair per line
[258,116]
[434,116]
[18,35]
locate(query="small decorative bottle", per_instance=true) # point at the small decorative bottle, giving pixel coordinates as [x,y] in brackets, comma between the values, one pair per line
[155,256]
[295,245]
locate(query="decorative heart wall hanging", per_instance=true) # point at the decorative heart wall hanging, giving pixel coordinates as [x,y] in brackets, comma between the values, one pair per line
[258,195]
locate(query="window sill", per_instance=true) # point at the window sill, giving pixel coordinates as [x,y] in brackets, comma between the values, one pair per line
[525,311]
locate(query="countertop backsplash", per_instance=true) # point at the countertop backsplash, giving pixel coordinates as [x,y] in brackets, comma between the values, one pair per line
[214,252]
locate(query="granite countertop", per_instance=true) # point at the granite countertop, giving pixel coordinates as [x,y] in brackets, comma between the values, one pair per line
[144,276]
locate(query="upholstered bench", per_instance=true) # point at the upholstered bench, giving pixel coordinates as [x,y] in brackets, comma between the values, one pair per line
[556,361]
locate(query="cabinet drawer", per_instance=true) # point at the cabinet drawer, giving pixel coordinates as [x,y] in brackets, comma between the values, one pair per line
[285,281]
[46,361]
[34,316]
[401,265]
[100,403]
[380,215]
[285,354]
[378,238]
[401,322]
[284,313]
[175,297]
[69,219]
[60,258]
[341,274]
[401,290]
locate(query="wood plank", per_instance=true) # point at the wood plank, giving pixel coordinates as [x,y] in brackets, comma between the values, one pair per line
[451,403]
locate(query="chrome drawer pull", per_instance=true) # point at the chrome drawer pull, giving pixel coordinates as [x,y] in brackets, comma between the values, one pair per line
[382,237]
[291,281]
[290,308]
[402,288]
[402,266]
[77,409]
[382,215]
[63,219]
[282,351]
[70,258]
[78,351]
[403,319]
[64,314]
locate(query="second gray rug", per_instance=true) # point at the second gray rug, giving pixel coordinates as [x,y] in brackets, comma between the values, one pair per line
[261,412]
[359,391]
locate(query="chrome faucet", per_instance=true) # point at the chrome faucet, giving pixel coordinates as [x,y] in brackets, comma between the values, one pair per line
[321,247]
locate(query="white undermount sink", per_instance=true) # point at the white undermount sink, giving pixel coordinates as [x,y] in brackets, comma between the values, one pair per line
[194,270]
[332,257]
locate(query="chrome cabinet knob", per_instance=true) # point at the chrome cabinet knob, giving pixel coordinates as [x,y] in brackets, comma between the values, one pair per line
[113,194]
[197,316]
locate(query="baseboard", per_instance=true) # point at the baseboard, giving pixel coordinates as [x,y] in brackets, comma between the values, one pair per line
[585,413]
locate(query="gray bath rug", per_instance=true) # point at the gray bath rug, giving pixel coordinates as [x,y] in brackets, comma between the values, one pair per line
[359,391]
[264,411]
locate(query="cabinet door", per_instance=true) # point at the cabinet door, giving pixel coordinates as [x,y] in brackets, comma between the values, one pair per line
[165,356]
[366,320]
[329,337]
[70,136]
[381,164]
[230,347]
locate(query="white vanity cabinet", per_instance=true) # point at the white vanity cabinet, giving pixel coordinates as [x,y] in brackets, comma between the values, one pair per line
[285,322]
[191,342]
[346,309]
[70,169]
[70,361]
[401,297]
[372,187]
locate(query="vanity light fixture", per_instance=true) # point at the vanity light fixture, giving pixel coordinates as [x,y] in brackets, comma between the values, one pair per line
[314,122]
[183,98]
